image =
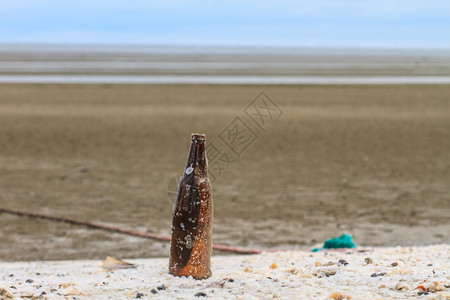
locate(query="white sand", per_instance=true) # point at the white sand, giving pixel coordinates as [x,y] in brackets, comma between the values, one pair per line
[298,275]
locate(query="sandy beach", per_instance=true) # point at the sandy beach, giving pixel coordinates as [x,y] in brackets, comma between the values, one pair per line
[371,161]
[318,139]
[378,273]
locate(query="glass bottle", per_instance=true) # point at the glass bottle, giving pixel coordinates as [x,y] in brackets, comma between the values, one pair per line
[190,247]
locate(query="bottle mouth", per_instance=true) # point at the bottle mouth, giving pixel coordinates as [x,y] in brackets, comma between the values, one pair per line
[198,137]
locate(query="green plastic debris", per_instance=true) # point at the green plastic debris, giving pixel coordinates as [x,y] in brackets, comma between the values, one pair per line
[344,241]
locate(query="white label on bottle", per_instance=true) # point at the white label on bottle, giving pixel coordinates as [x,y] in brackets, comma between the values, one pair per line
[189,170]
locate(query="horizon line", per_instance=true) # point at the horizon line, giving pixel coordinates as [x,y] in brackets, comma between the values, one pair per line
[227,46]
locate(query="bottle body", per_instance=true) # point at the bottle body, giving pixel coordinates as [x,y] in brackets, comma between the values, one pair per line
[191,242]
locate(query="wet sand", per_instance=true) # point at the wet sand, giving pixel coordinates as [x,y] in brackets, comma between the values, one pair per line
[372,161]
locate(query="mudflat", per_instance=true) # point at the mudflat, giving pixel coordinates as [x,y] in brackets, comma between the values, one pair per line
[369,160]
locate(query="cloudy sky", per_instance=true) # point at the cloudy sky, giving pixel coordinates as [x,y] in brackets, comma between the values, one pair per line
[319,23]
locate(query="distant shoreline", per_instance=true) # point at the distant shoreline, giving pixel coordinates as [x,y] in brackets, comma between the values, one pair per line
[219,65]
[223,80]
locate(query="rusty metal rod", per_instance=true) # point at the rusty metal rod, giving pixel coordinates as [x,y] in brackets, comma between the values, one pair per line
[93,225]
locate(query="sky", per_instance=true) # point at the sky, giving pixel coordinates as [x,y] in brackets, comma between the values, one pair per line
[320,23]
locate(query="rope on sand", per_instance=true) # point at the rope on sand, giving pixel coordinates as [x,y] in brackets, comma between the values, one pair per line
[93,225]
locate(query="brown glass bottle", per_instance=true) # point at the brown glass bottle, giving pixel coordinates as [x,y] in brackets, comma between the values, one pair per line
[190,246]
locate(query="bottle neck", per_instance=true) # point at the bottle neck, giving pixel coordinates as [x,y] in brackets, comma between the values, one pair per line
[197,156]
